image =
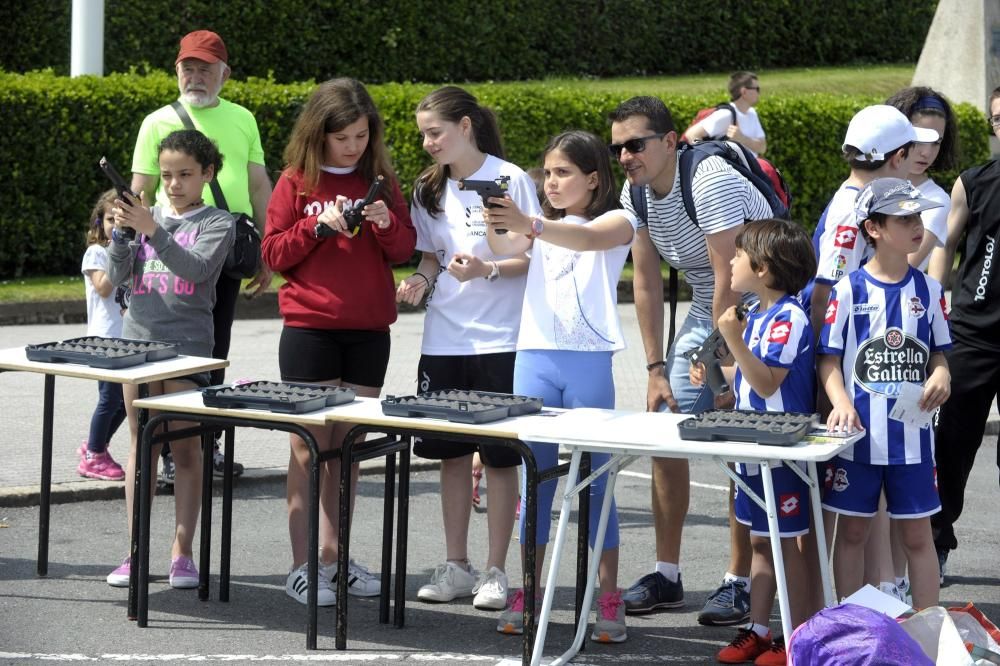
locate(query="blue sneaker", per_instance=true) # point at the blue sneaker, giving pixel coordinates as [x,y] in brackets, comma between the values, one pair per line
[728,605]
[652,592]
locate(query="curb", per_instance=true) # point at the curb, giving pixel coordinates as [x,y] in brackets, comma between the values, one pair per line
[92,490]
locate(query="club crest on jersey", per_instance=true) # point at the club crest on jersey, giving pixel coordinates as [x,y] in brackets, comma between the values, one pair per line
[780,332]
[916,308]
[845,237]
[884,363]
[831,311]
[840,480]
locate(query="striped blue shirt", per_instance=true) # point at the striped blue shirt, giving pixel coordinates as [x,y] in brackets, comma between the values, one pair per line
[885,334]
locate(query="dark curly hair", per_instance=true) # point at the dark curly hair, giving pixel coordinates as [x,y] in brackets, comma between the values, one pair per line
[197,145]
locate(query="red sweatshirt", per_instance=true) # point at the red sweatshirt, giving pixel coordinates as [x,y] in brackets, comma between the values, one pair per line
[336,282]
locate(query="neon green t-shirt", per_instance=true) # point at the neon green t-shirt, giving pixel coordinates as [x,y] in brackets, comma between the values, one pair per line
[234,130]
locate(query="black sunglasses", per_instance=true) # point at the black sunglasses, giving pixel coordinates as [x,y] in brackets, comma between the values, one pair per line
[633,145]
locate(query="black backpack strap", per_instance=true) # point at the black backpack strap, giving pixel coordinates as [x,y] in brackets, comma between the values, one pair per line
[220,198]
[729,107]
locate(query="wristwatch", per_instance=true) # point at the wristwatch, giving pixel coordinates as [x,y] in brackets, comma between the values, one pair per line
[494,273]
[537,226]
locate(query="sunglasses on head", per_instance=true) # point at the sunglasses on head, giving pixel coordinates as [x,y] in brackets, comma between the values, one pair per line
[633,146]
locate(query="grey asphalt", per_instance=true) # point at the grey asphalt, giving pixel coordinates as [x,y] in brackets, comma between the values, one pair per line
[72,615]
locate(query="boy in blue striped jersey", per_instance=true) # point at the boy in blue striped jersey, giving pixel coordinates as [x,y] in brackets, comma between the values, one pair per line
[773,349]
[883,367]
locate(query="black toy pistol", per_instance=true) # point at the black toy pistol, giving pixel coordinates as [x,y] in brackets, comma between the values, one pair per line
[487,189]
[711,352]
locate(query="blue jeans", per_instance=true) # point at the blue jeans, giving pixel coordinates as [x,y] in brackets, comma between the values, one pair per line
[691,399]
[108,415]
[567,379]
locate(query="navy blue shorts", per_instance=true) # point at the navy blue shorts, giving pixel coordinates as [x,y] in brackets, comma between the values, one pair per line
[853,489]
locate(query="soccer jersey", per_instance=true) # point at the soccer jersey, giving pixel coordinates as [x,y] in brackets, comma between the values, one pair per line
[840,247]
[885,334]
[781,337]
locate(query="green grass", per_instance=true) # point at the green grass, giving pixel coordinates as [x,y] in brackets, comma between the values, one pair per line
[879,80]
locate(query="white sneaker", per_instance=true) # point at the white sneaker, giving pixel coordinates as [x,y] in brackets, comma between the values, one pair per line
[449,581]
[297,585]
[360,581]
[491,592]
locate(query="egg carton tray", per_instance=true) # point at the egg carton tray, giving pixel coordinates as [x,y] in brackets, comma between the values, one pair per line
[461,406]
[280,397]
[105,353]
[769,428]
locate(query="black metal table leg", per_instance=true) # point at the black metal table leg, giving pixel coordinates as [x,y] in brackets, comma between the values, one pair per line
[227,515]
[45,497]
[399,606]
[582,545]
[388,500]
[205,545]
[142,421]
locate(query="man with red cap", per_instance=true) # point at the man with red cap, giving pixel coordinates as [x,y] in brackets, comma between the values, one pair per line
[202,70]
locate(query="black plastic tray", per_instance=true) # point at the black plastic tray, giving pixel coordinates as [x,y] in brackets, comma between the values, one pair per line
[460,406]
[769,428]
[281,397]
[155,351]
[108,358]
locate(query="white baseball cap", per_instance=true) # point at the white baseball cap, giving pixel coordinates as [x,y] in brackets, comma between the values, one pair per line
[879,130]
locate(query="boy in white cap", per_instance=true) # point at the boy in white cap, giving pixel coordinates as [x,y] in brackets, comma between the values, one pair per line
[882,364]
[877,145]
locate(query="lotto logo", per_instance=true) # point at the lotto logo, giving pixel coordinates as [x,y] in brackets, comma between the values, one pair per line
[944,308]
[780,332]
[789,505]
[845,237]
[840,480]
[831,311]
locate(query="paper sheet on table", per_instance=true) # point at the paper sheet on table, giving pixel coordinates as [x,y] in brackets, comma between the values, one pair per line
[870,597]
[906,408]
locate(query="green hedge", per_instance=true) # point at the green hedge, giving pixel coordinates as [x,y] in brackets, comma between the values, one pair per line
[57,128]
[456,40]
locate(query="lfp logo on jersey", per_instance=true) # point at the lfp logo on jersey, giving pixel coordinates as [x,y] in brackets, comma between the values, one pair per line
[884,363]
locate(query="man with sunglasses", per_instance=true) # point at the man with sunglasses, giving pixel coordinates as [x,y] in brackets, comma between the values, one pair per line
[644,141]
[974,359]
[738,120]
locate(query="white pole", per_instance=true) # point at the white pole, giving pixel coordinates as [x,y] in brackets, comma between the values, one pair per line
[87,45]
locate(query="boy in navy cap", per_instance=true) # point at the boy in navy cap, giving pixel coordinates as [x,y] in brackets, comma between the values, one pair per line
[882,365]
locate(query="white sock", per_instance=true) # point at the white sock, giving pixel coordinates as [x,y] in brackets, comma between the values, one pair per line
[669,570]
[759,629]
[731,577]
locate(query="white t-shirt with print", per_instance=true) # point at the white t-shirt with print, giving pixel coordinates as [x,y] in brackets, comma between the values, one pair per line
[104,316]
[723,199]
[476,316]
[936,219]
[570,301]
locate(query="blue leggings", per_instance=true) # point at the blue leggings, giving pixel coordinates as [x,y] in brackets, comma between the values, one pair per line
[108,415]
[567,379]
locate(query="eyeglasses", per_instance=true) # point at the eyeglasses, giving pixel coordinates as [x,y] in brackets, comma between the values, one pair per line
[757,88]
[994,121]
[633,146]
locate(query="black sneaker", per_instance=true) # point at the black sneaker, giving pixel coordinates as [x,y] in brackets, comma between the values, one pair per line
[728,605]
[167,471]
[651,592]
[219,464]
[942,554]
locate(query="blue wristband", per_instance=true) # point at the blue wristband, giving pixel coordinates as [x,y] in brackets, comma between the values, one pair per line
[117,238]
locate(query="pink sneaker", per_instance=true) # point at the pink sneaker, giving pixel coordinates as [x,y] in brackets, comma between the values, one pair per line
[99,466]
[119,577]
[183,573]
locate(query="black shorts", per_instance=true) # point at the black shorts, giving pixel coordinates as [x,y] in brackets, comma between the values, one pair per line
[320,355]
[480,372]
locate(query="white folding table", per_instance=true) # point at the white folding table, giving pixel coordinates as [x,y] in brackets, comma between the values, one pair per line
[16,359]
[627,436]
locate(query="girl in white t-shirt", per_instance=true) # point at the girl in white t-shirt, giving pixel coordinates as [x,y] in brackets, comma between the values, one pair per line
[570,329]
[470,329]
[926,107]
[104,318]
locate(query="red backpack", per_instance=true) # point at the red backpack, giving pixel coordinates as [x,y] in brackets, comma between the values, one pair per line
[705,113]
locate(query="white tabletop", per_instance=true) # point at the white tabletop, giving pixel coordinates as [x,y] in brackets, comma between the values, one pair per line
[655,434]
[15,358]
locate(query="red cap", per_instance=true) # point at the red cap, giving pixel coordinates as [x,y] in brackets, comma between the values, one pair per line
[203,45]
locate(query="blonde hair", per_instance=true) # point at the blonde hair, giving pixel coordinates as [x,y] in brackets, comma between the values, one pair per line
[95,229]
